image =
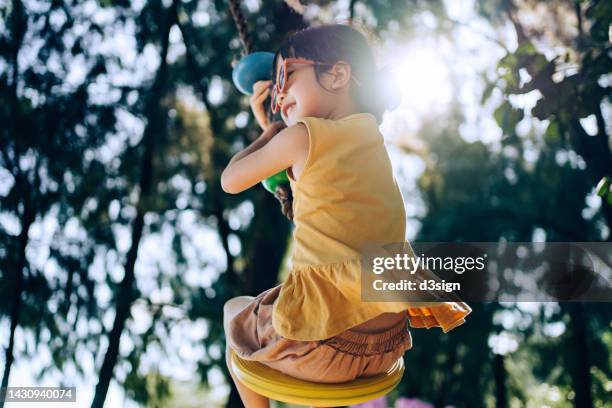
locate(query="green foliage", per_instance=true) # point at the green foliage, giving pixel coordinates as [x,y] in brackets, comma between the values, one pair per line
[604,189]
[600,12]
[66,156]
[507,117]
[150,388]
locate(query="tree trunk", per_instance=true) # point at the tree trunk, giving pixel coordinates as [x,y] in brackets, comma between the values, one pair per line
[444,393]
[155,127]
[269,234]
[18,26]
[27,220]
[578,353]
[499,374]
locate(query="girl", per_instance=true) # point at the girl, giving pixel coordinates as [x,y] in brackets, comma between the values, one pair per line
[314,326]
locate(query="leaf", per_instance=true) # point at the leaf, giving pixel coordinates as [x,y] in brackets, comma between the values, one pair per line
[507,117]
[539,63]
[486,93]
[552,132]
[603,187]
[526,48]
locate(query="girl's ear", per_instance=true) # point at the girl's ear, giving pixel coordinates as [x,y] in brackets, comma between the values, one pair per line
[342,74]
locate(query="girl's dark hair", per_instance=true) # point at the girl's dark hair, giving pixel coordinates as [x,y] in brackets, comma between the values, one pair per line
[331,43]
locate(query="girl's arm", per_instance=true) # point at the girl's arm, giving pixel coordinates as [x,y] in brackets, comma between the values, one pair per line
[266,156]
[258,143]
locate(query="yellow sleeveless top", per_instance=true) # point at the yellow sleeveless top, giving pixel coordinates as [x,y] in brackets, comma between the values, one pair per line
[345,197]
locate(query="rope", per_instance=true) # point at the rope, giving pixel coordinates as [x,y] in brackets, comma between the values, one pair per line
[241,26]
[283,193]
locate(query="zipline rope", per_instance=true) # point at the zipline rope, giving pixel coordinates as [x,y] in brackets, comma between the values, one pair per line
[241,26]
[283,192]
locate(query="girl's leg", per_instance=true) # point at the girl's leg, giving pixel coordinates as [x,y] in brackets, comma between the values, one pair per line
[249,398]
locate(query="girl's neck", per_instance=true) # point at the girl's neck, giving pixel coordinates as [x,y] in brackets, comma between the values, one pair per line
[343,110]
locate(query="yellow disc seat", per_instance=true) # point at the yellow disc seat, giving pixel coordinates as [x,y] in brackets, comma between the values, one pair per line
[280,387]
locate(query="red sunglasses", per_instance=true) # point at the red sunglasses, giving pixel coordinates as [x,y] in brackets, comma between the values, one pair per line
[280,83]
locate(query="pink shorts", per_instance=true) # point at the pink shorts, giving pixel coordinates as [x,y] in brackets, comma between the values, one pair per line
[341,358]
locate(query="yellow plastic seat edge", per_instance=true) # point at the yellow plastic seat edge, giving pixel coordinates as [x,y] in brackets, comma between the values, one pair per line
[267,378]
[278,386]
[319,401]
